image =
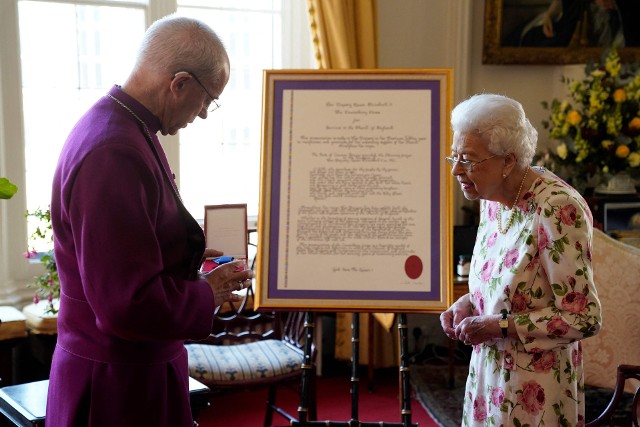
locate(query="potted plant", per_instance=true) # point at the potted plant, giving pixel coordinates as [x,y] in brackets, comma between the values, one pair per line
[47,284]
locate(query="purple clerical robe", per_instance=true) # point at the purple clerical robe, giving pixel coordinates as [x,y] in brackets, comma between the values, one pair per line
[127,252]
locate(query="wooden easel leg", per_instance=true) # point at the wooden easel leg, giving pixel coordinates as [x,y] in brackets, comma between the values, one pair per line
[403,379]
[405,385]
[355,364]
[307,368]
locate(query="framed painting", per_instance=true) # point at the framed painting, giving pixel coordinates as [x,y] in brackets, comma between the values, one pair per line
[355,200]
[559,31]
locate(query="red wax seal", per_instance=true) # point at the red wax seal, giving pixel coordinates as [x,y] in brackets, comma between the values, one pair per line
[413,267]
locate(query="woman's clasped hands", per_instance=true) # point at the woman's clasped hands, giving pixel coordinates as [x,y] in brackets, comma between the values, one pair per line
[458,323]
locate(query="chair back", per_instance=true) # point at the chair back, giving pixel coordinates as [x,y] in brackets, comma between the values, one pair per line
[294,333]
[616,273]
[238,322]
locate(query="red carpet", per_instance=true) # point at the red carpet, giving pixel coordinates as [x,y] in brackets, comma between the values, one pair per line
[246,409]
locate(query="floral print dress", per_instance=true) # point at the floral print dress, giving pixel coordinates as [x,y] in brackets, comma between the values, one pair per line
[540,272]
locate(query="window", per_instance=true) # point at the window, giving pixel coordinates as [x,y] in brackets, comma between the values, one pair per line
[220,157]
[58,57]
[59,84]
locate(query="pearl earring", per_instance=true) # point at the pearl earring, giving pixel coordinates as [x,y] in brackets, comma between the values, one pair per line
[504,175]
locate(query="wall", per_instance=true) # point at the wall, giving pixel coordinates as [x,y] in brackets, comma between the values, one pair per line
[448,34]
[439,33]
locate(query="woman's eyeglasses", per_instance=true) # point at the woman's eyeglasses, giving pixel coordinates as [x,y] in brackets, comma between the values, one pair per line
[467,165]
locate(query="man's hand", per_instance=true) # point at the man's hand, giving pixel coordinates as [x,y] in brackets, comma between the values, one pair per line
[227,279]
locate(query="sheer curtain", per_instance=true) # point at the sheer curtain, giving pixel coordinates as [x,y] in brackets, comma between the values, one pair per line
[345,35]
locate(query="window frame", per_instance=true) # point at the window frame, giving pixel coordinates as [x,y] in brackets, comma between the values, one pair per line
[15,271]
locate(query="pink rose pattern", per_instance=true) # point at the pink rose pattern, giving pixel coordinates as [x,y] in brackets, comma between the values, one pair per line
[480,408]
[511,257]
[497,396]
[541,272]
[487,270]
[531,397]
[545,360]
[492,240]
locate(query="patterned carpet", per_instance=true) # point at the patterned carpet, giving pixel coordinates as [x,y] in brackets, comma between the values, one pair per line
[444,404]
[431,385]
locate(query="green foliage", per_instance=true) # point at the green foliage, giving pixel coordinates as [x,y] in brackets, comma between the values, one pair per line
[7,189]
[47,284]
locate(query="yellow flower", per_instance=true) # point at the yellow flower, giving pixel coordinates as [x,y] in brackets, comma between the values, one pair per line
[622,151]
[619,95]
[597,128]
[562,151]
[606,144]
[612,63]
[574,118]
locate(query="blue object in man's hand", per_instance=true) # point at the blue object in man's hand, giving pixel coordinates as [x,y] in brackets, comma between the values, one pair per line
[223,260]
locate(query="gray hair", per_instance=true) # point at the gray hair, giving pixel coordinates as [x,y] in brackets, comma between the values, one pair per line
[175,43]
[500,121]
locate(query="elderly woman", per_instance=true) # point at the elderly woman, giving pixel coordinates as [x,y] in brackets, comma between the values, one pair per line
[531,292]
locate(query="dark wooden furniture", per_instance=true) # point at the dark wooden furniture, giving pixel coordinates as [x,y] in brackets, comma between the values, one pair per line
[597,204]
[25,405]
[245,350]
[13,332]
[624,373]
[7,357]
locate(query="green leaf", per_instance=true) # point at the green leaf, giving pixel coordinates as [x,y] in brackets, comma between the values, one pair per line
[7,189]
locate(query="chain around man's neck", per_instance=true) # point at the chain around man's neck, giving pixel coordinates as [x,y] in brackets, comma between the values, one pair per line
[149,139]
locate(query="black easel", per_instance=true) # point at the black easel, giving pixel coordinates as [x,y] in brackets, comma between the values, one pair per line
[403,375]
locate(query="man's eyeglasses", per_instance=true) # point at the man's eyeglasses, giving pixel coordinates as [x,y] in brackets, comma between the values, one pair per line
[467,165]
[213,101]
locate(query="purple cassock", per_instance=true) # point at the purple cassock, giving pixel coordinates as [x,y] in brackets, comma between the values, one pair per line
[127,253]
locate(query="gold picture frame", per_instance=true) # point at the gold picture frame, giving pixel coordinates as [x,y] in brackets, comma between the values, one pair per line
[503,16]
[330,137]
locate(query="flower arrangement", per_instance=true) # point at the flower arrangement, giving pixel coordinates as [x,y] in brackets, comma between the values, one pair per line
[598,128]
[48,283]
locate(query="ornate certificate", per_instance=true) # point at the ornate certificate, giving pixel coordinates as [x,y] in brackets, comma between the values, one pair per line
[355,207]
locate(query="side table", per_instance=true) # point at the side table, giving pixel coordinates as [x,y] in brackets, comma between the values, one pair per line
[13,331]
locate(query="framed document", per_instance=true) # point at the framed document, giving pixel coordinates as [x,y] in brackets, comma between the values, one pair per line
[225,229]
[355,200]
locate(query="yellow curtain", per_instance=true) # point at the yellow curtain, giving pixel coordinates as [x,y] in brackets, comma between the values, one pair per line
[345,35]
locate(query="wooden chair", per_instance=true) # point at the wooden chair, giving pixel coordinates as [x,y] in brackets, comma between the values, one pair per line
[248,348]
[625,372]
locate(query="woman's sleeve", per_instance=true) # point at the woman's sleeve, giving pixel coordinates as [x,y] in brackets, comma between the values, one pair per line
[572,311]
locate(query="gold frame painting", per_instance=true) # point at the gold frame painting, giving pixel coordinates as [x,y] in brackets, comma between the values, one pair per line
[499,18]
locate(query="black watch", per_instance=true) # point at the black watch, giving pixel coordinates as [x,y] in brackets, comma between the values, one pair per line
[504,324]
